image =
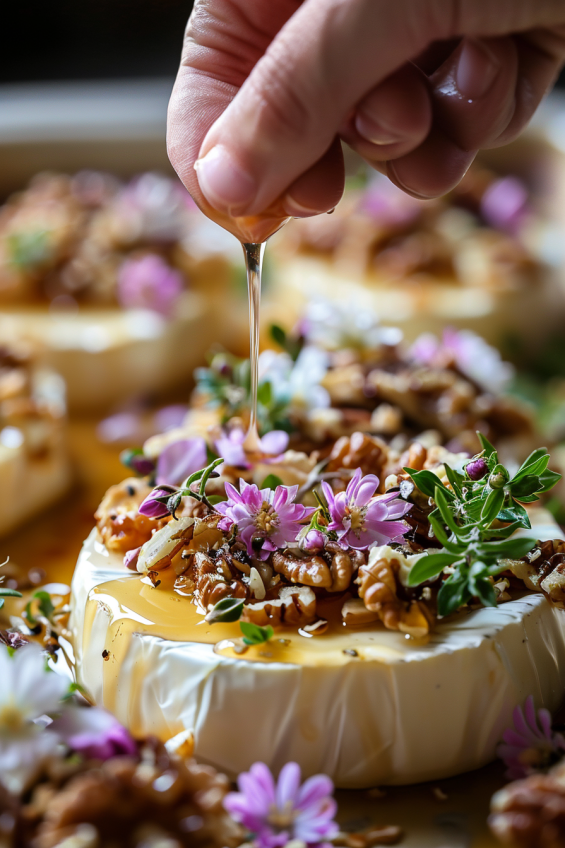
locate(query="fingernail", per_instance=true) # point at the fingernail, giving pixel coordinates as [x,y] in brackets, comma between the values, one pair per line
[296,210]
[223,182]
[476,69]
[375,131]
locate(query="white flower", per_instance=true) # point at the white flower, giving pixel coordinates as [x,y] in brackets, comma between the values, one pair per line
[334,327]
[28,692]
[296,383]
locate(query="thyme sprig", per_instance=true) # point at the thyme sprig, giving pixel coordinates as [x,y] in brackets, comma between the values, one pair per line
[474,519]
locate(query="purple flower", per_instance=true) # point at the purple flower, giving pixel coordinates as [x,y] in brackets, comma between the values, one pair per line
[263,514]
[531,745]
[504,204]
[170,417]
[285,811]
[467,352]
[130,559]
[94,733]
[148,282]
[155,504]
[313,541]
[477,468]
[361,519]
[179,460]
[230,447]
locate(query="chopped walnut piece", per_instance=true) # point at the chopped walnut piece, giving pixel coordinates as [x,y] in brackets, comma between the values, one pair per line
[124,800]
[530,813]
[216,579]
[308,570]
[355,614]
[542,569]
[295,605]
[359,450]
[379,585]
[346,385]
[119,523]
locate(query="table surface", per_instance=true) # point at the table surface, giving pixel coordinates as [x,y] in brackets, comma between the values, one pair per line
[52,542]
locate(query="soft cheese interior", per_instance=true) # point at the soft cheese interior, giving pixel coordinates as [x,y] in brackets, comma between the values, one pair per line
[365,705]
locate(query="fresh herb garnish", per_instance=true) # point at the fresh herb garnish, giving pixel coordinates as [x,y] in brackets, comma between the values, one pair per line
[473,521]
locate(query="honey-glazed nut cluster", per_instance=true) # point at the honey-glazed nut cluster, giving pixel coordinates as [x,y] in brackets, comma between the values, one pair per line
[380,588]
[530,813]
[159,799]
[119,522]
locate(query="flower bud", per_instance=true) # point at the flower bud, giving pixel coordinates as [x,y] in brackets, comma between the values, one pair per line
[130,559]
[155,504]
[498,480]
[313,541]
[477,468]
[138,463]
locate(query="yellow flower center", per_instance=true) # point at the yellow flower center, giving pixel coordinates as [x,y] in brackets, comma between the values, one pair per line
[282,819]
[356,517]
[266,519]
[11,719]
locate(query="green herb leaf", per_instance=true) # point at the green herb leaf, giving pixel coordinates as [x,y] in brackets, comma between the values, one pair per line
[455,478]
[440,534]
[45,605]
[430,566]
[446,514]
[508,548]
[481,586]
[453,594]
[271,481]
[428,482]
[255,635]
[548,480]
[525,486]
[492,506]
[9,593]
[265,393]
[278,335]
[488,449]
[226,611]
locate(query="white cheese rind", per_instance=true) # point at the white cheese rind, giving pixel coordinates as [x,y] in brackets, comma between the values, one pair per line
[419,713]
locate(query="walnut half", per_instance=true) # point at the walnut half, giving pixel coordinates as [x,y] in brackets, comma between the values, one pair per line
[294,605]
[379,586]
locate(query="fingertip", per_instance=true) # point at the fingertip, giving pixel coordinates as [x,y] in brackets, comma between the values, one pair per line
[433,169]
[394,118]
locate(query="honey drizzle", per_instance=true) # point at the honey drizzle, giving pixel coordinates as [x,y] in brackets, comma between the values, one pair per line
[134,606]
[253,263]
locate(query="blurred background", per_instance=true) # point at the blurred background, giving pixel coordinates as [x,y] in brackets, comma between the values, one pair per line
[114,285]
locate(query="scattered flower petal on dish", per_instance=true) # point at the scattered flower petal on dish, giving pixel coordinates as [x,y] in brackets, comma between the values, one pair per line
[94,733]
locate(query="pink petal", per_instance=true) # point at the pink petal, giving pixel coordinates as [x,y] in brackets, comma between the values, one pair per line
[275,442]
[180,459]
[366,489]
[351,490]
[288,785]
[314,790]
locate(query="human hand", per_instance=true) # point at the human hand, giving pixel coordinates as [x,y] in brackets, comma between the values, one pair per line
[268,88]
